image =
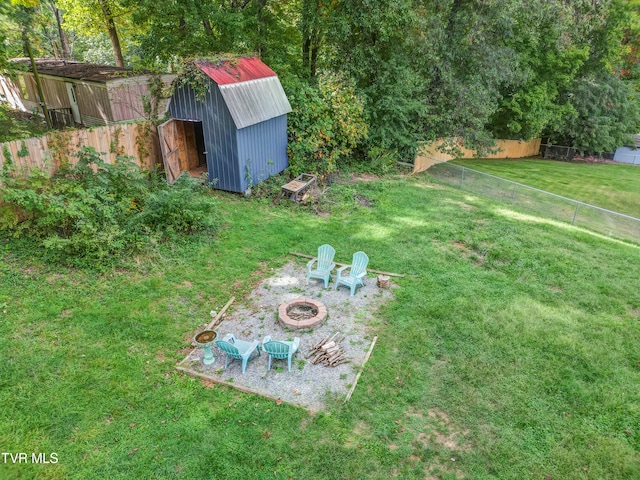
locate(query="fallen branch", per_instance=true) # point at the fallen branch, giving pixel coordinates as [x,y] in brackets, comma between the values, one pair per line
[343,264]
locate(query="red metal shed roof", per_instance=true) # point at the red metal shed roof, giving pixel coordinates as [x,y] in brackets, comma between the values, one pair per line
[236,71]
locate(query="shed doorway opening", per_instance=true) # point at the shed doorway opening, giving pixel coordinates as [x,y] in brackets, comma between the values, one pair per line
[182,146]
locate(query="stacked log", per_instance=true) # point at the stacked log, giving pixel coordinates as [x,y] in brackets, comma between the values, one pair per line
[328,351]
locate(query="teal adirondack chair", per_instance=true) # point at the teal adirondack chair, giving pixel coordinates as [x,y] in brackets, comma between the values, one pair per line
[324,264]
[357,271]
[280,349]
[239,349]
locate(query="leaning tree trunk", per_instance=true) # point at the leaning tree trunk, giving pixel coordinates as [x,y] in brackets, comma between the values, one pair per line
[64,40]
[62,35]
[113,33]
[36,76]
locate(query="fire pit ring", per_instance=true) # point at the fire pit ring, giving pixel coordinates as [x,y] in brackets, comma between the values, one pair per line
[302,313]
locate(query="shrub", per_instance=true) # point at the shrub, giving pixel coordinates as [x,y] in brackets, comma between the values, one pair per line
[326,125]
[185,207]
[92,212]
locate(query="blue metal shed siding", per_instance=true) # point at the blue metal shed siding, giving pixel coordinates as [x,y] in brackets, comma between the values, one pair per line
[262,150]
[627,155]
[219,134]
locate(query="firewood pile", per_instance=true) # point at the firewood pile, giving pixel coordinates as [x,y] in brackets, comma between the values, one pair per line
[328,351]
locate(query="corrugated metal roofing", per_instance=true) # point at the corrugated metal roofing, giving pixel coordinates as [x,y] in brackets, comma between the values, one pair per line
[241,70]
[77,70]
[255,101]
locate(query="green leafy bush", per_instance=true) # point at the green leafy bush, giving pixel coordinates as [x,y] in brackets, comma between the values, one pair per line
[92,212]
[326,125]
[185,207]
[604,112]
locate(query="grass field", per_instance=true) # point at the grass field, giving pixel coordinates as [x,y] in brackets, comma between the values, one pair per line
[510,351]
[612,186]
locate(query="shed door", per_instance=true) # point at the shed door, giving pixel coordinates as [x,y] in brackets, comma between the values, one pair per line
[73,102]
[169,144]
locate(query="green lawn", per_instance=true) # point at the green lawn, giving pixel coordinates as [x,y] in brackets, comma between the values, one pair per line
[612,186]
[510,351]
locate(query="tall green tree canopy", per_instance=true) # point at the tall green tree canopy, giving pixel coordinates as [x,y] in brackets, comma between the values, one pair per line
[423,69]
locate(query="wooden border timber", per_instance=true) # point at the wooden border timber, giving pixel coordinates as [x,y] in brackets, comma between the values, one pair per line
[343,264]
[218,317]
[244,389]
[364,362]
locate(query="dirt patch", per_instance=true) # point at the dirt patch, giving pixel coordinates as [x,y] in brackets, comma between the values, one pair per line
[363,201]
[467,207]
[364,177]
[451,436]
[438,472]
[359,431]
[592,159]
[474,254]
[207,383]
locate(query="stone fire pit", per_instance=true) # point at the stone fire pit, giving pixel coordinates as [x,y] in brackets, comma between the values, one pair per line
[302,313]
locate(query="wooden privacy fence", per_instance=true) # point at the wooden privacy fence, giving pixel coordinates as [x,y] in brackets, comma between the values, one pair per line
[134,140]
[429,155]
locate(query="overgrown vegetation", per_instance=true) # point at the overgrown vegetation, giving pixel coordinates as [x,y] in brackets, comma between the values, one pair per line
[326,125]
[603,112]
[92,212]
[18,125]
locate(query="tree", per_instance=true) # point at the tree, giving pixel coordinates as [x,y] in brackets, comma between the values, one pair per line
[547,61]
[371,43]
[192,28]
[92,17]
[23,14]
[604,112]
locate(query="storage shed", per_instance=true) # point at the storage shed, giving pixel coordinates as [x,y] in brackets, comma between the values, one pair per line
[236,132]
[629,153]
[78,93]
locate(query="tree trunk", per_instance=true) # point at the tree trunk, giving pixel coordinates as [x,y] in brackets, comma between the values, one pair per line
[262,30]
[53,40]
[41,99]
[113,33]
[315,46]
[64,41]
[306,46]
[207,27]
[310,36]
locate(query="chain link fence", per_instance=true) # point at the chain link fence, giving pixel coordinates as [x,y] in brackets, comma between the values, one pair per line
[539,202]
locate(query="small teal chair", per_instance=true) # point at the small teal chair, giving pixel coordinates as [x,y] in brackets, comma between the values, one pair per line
[357,271]
[239,349]
[324,264]
[280,349]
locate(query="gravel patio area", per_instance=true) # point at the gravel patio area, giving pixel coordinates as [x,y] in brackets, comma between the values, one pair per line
[310,386]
